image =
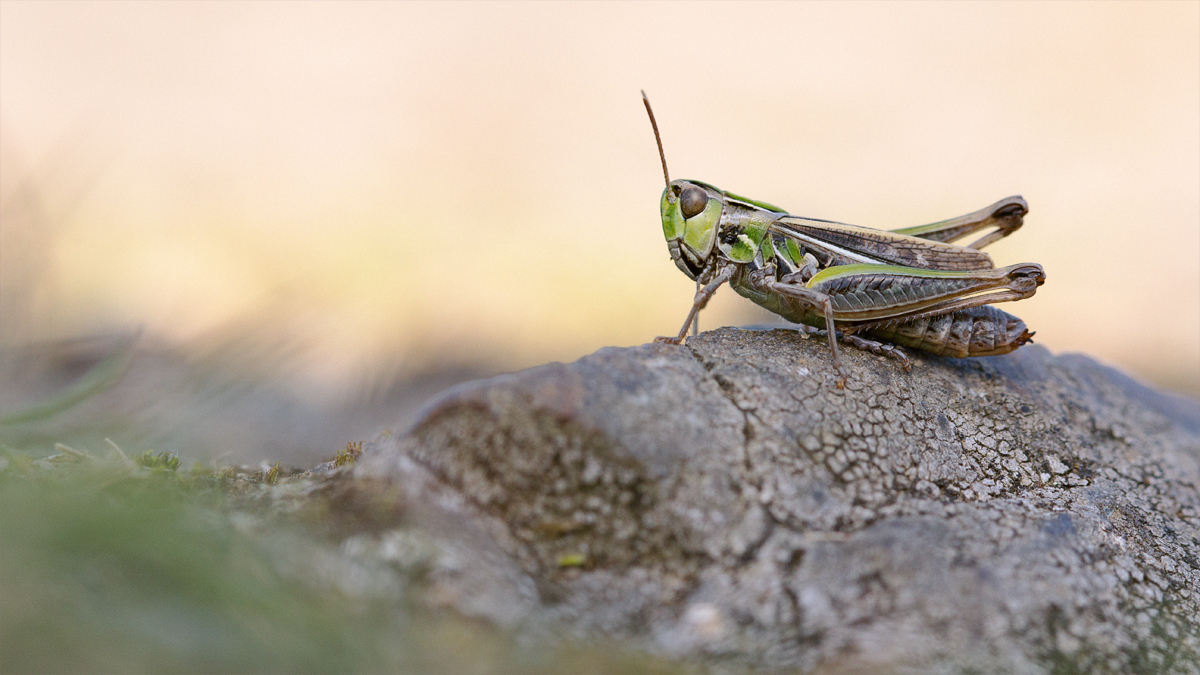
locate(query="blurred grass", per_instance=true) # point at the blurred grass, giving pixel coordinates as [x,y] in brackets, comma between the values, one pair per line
[112,573]
[112,567]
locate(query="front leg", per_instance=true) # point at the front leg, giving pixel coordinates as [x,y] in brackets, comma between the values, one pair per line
[698,303]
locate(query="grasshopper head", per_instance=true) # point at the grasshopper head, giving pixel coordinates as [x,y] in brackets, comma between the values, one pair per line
[691,212]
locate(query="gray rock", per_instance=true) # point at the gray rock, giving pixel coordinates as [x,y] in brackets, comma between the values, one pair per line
[724,502]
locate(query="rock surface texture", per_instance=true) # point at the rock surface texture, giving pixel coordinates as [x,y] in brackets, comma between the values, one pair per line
[724,502]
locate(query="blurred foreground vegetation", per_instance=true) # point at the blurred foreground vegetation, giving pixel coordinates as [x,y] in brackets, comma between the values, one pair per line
[113,563]
[110,566]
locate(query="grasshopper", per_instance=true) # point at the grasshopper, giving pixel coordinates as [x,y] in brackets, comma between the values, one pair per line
[909,287]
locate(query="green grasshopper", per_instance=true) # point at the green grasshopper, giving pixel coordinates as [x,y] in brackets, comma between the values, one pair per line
[910,287]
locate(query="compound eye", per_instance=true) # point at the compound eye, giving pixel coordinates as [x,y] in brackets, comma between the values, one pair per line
[693,200]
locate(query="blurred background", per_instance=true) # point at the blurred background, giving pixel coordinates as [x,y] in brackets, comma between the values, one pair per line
[260,230]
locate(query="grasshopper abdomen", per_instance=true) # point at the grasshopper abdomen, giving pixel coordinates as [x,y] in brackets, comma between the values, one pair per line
[977,331]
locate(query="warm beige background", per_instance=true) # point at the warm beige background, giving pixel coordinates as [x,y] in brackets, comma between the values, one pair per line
[380,186]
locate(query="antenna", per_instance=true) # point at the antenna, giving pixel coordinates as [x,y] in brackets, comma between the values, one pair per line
[658,139]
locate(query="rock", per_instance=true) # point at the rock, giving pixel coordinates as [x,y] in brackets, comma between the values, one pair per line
[725,502]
